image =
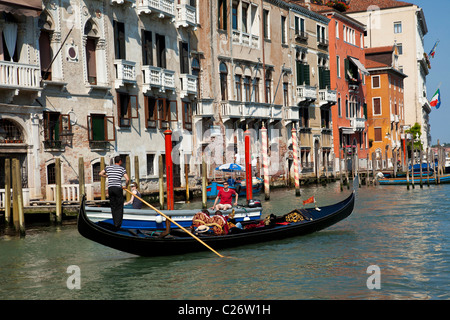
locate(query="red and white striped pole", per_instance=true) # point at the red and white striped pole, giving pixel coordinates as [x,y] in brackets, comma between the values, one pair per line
[295,152]
[248,166]
[265,162]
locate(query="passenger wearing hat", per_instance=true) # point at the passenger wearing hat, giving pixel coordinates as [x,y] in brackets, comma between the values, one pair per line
[135,202]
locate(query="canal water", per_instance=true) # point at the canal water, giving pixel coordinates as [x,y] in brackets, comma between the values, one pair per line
[404,234]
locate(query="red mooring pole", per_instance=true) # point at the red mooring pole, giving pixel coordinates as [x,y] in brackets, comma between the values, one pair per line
[248,166]
[169,169]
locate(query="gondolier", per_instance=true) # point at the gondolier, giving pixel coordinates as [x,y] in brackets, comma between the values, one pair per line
[114,173]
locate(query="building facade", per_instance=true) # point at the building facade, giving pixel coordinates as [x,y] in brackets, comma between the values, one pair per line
[386,105]
[404,24]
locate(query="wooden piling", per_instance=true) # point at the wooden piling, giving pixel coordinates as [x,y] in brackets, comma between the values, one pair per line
[420,168]
[373,169]
[413,160]
[265,163]
[21,218]
[102,179]
[368,171]
[186,176]
[7,191]
[161,181]
[407,169]
[428,166]
[81,181]
[58,191]
[204,181]
[128,168]
[137,177]
[15,212]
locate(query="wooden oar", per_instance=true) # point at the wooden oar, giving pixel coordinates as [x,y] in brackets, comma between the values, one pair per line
[167,217]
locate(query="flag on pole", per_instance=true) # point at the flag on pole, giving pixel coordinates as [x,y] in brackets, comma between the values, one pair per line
[310,200]
[433,51]
[436,100]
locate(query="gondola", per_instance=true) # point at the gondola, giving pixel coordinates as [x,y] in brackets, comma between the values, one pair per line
[146,243]
[405,181]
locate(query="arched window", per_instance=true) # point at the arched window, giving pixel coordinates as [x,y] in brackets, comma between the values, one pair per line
[91,34]
[267,86]
[223,81]
[45,49]
[10,132]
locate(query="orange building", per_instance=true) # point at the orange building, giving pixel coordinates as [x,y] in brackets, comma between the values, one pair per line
[347,60]
[385,104]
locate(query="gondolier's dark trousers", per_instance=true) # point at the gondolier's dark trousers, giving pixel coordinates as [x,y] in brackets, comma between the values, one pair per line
[116,202]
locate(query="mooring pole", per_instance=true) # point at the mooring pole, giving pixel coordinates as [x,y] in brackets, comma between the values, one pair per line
[248,166]
[265,162]
[58,191]
[7,191]
[295,152]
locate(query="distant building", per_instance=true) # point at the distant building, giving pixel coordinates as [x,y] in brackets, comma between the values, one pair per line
[402,23]
[385,105]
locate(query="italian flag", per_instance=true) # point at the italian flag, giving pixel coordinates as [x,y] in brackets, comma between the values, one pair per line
[436,100]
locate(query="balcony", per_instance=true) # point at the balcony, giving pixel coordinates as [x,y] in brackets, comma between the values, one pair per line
[327,97]
[156,77]
[291,114]
[306,93]
[245,39]
[250,110]
[188,85]
[125,72]
[161,8]
[204,108]
[186,16]
[17,77]
[301,36]
[358,124]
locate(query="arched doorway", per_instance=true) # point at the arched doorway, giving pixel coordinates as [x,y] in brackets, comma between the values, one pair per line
[12,142]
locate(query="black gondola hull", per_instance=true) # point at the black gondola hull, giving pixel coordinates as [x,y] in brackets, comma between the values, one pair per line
[153,246]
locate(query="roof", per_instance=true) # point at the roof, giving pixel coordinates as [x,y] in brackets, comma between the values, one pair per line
[362,5]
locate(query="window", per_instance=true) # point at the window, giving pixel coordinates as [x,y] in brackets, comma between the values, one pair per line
[285,94]
[375,82]
[235,15]
[255,90]
[338,66]
[237,81]
[339,108]
[222,14]
[45,53]
[266,24]
[166,112]
[184,57]
[398,27]
[400,48]
[196,72]
[51,174]
[337,29]
[283,30]
[321,35]
[54,124]
[247,89]
[302,73]
[304,117]
[377,134]
[100,128]
[95,172]
[267,85]
[119,39]
[91,63]
[325,118]
[299,26]
[160,51]
[377,106]
[324,77]
[151,114]
[223,81]
[150,164]
[245,17]
[187,115]
[127,108]
[147,49]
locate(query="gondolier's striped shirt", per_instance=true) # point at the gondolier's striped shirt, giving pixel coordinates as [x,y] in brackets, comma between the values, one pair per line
[115,174]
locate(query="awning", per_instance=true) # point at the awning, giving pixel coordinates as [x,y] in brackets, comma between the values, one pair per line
[30,8]
[359,65]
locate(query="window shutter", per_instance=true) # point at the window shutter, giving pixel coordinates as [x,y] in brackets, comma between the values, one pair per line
[306,74]
[346,69]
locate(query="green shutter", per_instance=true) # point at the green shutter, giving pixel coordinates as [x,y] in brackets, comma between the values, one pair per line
[365,110]
[306,74]
[98,128]
[327,79]
[299,73]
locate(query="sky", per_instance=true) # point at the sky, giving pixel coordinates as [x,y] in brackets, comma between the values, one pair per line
[438,23]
